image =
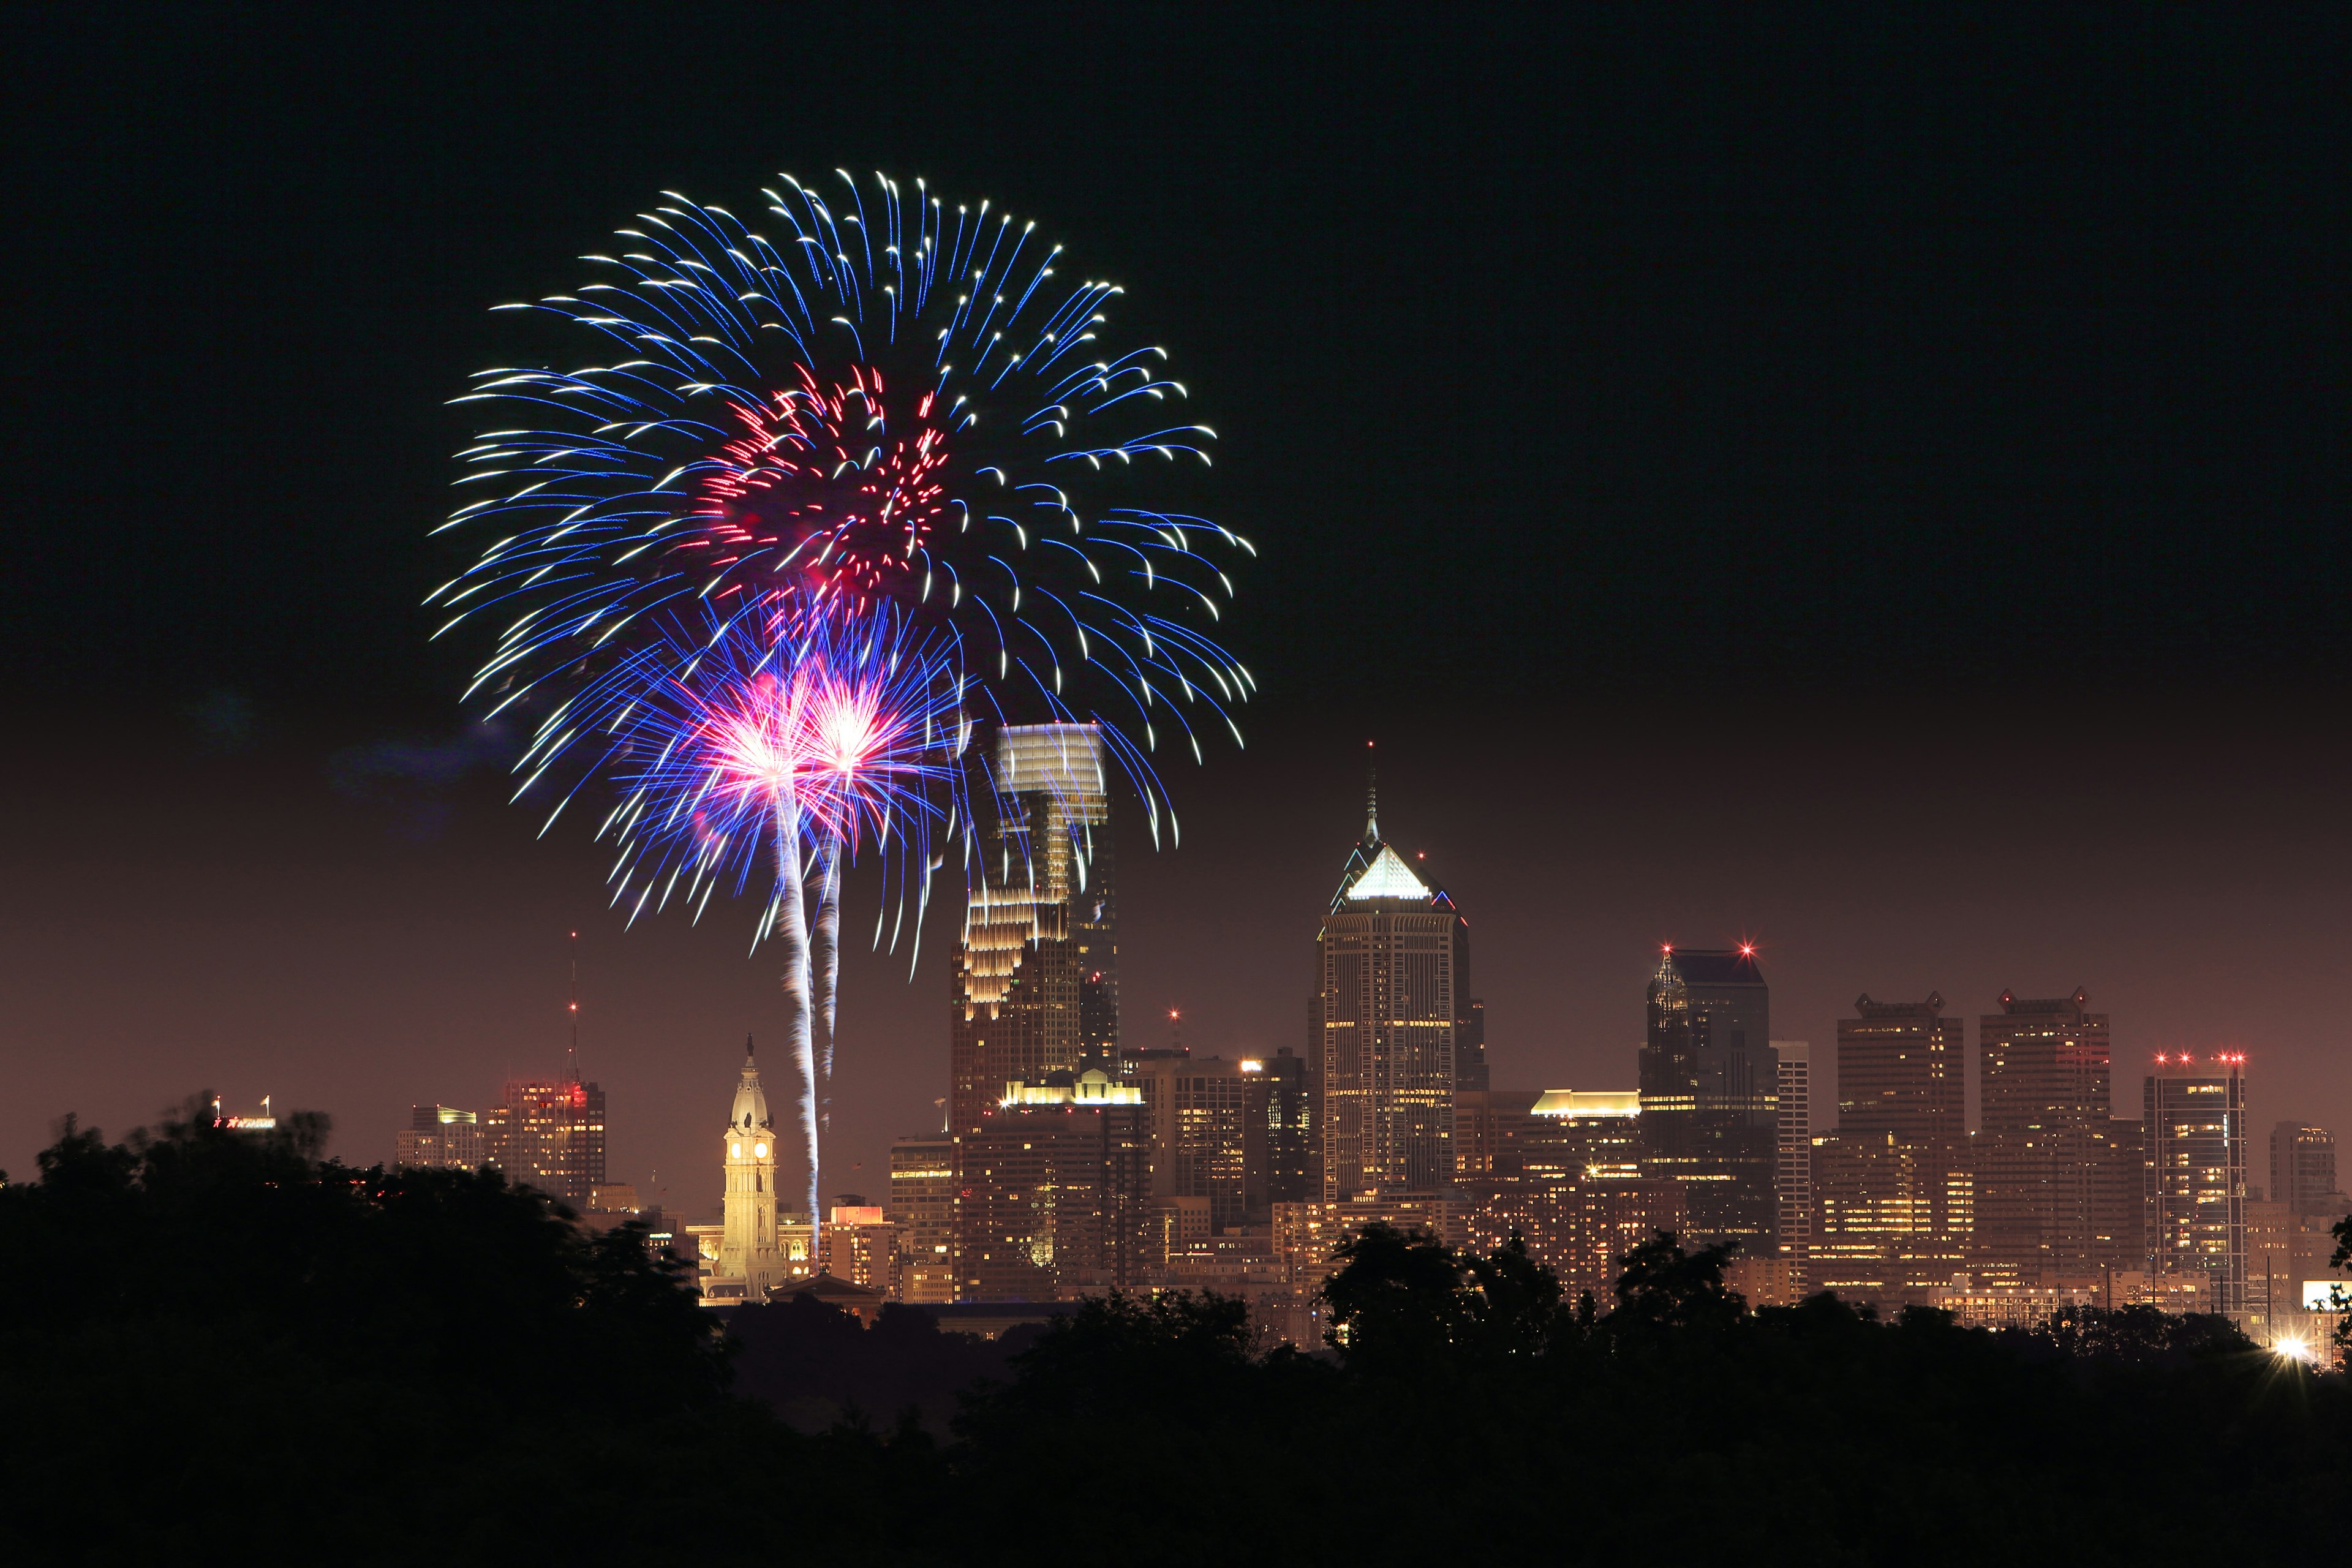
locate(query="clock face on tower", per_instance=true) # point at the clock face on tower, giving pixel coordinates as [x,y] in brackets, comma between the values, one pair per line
[735,1151]
[759,1150]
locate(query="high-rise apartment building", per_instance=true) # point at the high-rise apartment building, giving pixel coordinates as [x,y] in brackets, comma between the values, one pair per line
[440,1138]
[1036,981]
[1208,1134]
[1711,1092]
[1893,1222]
[862,1247]
[2058,1185]
[1390,962]
[1792,1182]
[1053,1193]
[2194,1129]
[923,1207]
[549,1134]
[1581,1229]
[2303,1168]
[1900,1070]
[1292,1170]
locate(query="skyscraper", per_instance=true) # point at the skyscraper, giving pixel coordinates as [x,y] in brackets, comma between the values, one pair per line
[922,1206]
[2194,1119]
[1710,1091]
[1036,982]
[441,1137]
[2058,1190]
[1053,1192]
[1793,1177]
[548,1135]
[1891,1220]
[1900,1068]
[1469,1032]
[1208,1134]
[2303,1168]
[1292,1171]
[751,1256]
[1390,960]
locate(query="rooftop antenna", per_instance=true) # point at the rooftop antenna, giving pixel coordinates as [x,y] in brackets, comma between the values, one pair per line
[1371,794]
[572,1063]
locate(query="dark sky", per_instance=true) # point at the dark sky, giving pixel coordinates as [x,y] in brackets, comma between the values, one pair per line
[1872,484]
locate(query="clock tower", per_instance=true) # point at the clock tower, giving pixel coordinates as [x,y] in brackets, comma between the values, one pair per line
[749,1248]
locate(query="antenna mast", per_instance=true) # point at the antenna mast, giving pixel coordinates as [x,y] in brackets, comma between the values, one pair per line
[572,1062]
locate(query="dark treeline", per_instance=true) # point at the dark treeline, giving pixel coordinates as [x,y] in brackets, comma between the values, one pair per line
[215,1343]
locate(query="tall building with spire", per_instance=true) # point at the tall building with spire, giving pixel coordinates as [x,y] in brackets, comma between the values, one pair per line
[750,1255]
[1711,1092]
[1391,980]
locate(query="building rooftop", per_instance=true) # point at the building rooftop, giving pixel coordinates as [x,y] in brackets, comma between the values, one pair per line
[1717,966]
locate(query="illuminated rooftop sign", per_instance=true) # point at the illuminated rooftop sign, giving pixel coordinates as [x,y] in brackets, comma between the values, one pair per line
[1581,1102]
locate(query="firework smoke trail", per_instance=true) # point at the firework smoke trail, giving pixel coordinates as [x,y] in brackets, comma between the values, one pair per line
[786,742]
[825,947]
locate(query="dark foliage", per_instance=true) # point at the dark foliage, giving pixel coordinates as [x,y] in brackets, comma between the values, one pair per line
[206,1338]
[816,1366]
[212,1336]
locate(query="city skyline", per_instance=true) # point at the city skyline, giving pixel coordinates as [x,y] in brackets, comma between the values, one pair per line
[871,1109]
[2004,584]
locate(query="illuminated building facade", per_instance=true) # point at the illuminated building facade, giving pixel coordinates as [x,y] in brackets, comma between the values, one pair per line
[1893,1222]
[1576,1134]
[2303,1170]
[1792,1180]
[923,1205]
[1053,1192]
[439,1137]
[1036,981]
[1391,964]
[861,1248]
[2058,1183]
[548,1135]
[752,1257]
[1901,1069]
[1580,1229]
[1710,1091]
[1208,1118]
[2194,1125]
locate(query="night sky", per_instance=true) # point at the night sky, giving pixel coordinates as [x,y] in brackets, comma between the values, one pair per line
[1872,486]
